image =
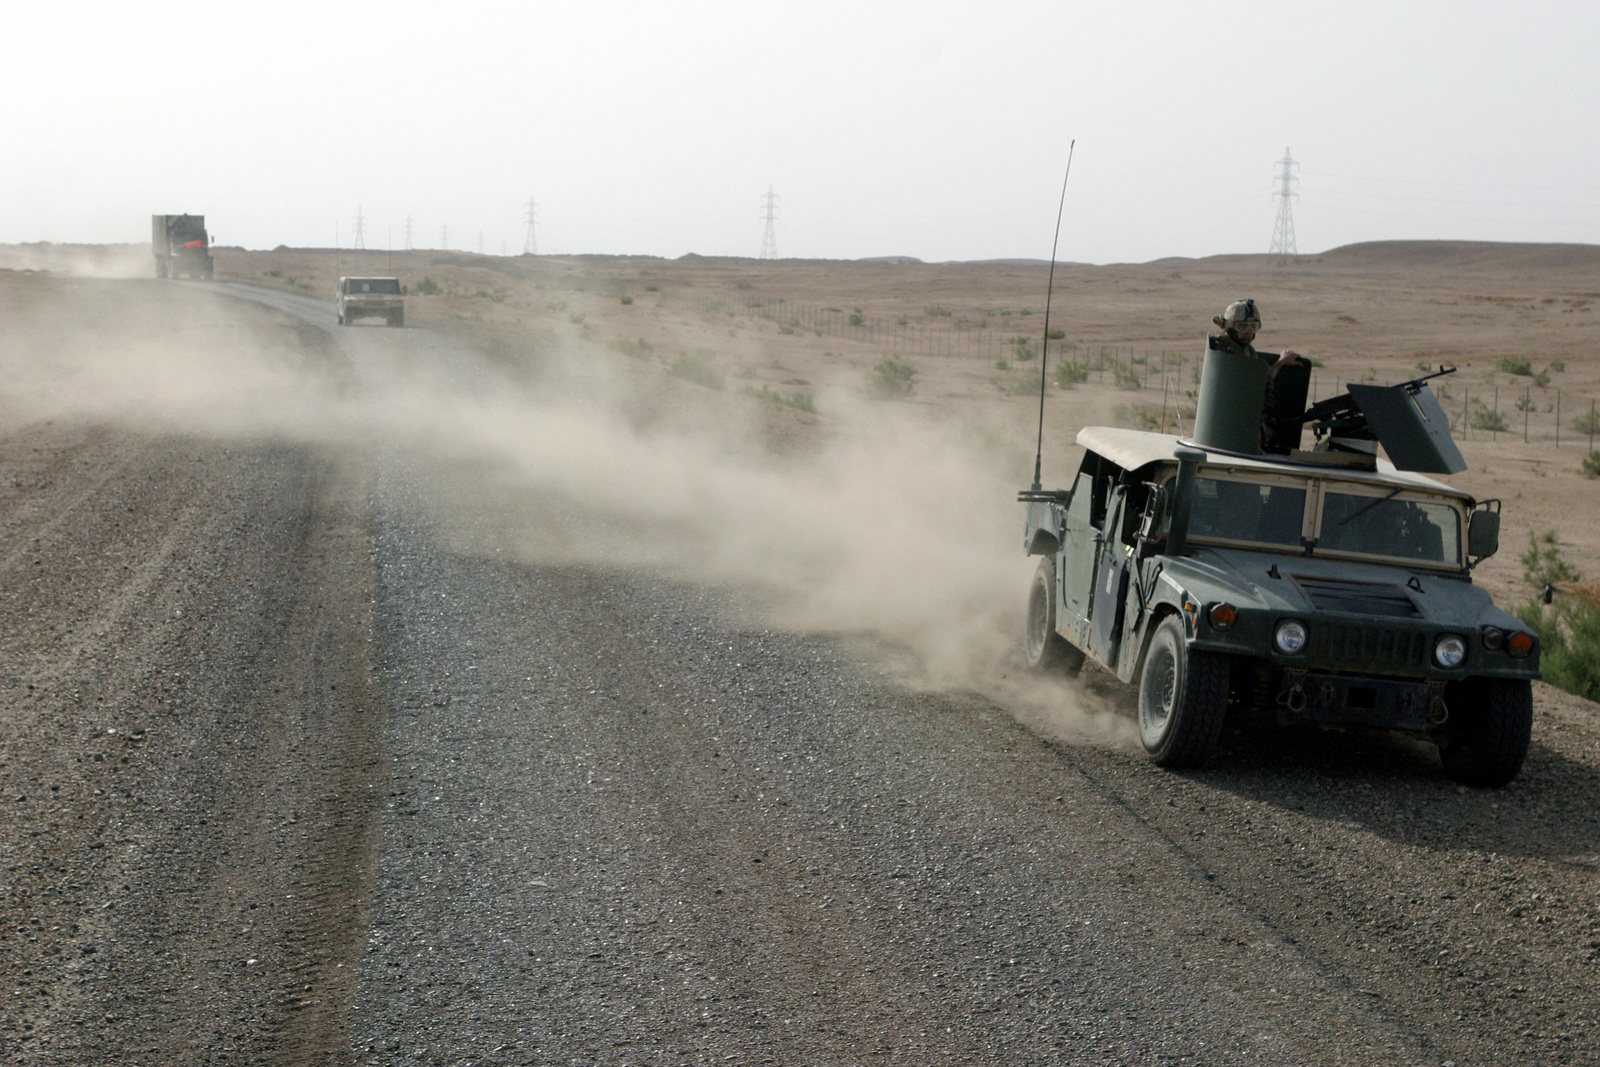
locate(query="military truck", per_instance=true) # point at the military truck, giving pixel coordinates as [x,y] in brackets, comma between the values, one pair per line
[1326,586]
[180,246]
[370,298]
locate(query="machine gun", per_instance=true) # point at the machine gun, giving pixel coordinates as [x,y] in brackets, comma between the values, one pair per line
[1406,419]
[1341,412]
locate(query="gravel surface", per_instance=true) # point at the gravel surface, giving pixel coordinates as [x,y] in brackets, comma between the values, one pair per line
[375,798]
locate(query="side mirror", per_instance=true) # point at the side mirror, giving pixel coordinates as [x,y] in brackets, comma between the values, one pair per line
[1483,530]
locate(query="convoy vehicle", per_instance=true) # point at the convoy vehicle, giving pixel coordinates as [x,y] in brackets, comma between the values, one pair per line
[370,298]
[1326,587]
[180,246]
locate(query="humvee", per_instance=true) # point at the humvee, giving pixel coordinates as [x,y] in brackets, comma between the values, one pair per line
[370,297]
[1323,587]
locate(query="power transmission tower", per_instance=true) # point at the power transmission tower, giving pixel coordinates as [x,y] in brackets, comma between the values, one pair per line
[530,247]
[361,229]
[1283,230]
[408,233]
[769,239]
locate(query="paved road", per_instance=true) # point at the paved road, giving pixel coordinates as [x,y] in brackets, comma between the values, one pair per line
[574,815]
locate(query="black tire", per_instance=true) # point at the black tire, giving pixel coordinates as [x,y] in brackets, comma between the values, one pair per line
[397,319]
[1183,698]
[1491,724]
[1046,649]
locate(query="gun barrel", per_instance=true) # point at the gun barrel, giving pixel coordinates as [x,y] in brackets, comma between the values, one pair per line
[1417,383]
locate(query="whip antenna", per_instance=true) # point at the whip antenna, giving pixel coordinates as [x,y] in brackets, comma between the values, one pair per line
[1044,347]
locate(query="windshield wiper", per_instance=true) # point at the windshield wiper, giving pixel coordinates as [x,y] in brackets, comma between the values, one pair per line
[1363,510]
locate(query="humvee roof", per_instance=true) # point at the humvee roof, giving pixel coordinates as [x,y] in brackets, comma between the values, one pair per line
[1132,449]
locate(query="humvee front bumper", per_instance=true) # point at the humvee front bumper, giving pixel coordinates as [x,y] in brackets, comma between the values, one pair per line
[1353,700]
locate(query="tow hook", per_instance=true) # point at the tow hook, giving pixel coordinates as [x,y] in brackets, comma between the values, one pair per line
[1438,712]
[1293,696]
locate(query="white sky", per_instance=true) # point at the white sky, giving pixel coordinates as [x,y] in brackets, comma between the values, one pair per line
[933,129]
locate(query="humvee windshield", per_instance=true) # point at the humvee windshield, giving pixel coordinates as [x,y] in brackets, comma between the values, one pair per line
[1248,511]
[1389,526]
[1355,520]
[373,285]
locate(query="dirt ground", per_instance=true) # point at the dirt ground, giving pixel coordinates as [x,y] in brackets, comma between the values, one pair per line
[593,669]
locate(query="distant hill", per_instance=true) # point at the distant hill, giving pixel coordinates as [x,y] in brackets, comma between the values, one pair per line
[1495,254]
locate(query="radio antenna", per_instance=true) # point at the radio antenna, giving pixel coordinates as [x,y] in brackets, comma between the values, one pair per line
[1044,347]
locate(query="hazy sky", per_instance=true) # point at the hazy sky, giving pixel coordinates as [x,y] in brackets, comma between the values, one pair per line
[938,130]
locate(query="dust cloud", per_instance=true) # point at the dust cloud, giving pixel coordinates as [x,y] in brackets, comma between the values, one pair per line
[83,261]
[888,526]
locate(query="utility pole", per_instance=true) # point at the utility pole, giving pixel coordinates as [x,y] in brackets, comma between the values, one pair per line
[444,238]
[408,233]
[769,239]
[1283,230]
[530,247]
[480,242]
[361,230]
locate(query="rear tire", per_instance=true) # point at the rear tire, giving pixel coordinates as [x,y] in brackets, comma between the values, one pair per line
[1183,698]
[1047,650]
[1491,725]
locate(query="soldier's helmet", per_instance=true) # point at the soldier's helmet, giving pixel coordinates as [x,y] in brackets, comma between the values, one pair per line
[1240,313]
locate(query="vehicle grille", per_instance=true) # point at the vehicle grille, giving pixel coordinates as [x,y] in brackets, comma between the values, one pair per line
[1368,646]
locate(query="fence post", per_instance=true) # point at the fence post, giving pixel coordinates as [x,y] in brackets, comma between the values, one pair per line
[1526,403]
[1558,418]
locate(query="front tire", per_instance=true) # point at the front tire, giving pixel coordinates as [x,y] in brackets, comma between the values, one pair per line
[1047,650]
[397,319]
[1183,698]
[1491,727]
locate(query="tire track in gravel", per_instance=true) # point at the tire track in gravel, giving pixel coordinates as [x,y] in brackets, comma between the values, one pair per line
[197,789]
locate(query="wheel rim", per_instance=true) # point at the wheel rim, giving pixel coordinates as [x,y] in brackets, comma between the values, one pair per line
[1038,612]
[1157,695]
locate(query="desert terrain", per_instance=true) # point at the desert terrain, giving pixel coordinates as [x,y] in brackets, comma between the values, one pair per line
[599,670]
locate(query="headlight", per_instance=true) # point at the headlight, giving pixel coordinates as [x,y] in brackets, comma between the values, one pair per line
[1449,651]
[1290,636]
[1521,644]
[1222,616]
[1494,638]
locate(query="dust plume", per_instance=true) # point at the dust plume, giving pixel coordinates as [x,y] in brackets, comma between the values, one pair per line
[886,524]
[83,261]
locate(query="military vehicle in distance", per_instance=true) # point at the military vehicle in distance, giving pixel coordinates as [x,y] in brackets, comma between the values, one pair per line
[1327,586]
[370,298]
[181,247]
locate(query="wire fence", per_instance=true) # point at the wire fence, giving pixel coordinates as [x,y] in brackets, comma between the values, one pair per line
[1529,411]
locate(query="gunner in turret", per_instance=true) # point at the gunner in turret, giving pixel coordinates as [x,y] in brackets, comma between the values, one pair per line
[1240,323]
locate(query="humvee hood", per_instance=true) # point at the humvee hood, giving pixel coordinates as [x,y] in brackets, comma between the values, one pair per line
[1307,585]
